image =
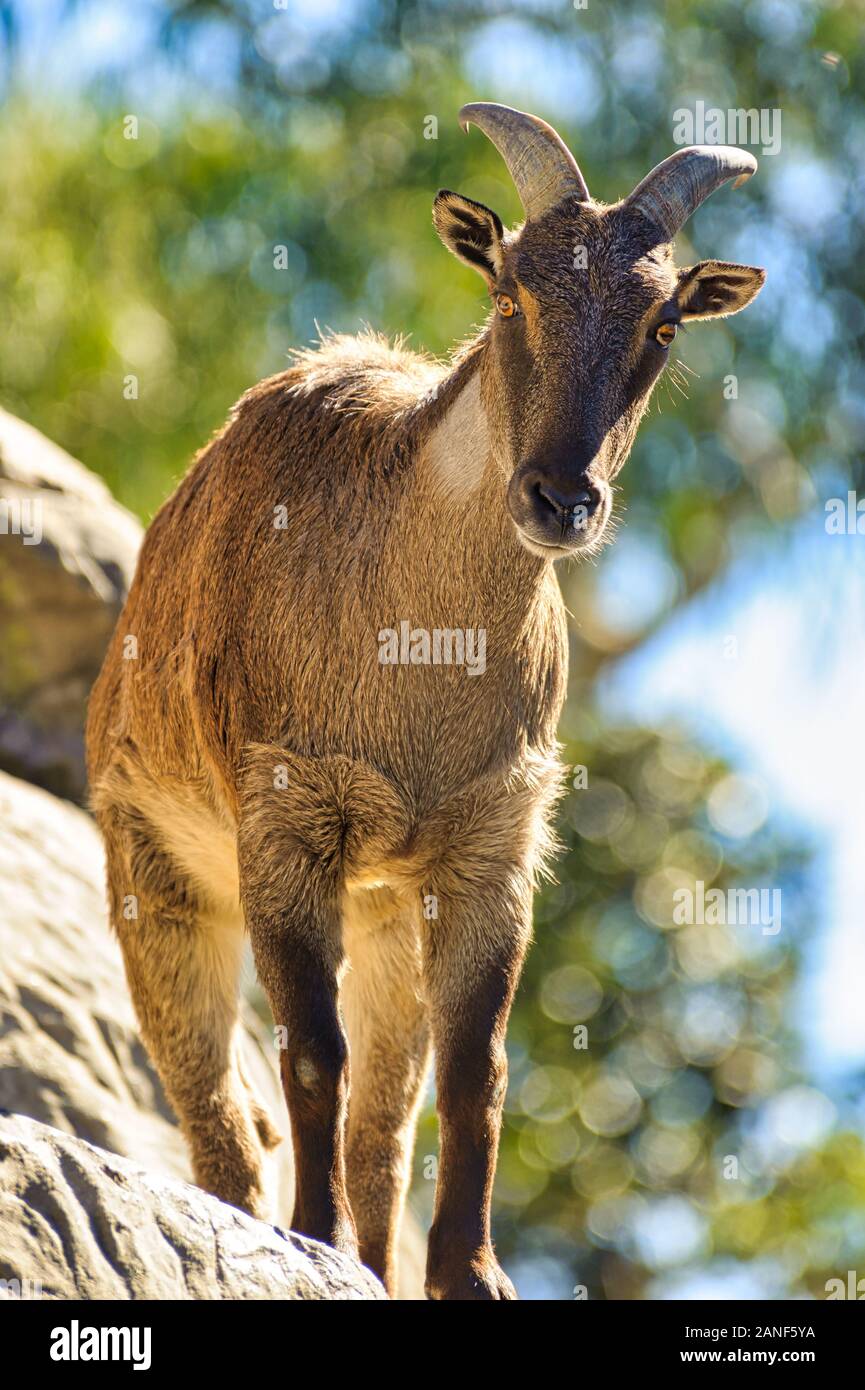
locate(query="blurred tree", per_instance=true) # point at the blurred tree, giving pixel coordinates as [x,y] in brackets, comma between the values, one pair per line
[186,202]
[640,1047]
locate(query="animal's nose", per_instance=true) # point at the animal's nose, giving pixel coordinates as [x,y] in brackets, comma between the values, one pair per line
[566,502]
[560,508]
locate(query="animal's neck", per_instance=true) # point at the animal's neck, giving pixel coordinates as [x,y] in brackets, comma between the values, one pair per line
[458,498]
[455,563]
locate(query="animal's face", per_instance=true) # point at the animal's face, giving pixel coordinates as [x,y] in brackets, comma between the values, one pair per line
[586,305]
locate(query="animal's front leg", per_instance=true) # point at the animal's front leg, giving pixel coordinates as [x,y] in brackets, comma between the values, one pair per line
[297,955]
[296,964]
[474,953]
[303,822]
[291,893]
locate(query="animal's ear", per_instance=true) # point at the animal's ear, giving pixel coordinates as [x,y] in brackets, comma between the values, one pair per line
[712,289]
[472,232]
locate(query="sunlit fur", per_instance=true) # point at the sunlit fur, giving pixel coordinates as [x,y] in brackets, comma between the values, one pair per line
[378,828]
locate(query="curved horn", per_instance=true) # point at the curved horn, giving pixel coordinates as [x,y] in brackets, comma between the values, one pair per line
[542,167]
[679,184]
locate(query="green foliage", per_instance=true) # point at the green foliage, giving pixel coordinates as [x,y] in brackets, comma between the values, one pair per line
[640,1048]
[298,139]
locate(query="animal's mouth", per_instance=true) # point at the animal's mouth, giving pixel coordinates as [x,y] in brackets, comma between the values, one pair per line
[559,552]
[547,552]
[571,542]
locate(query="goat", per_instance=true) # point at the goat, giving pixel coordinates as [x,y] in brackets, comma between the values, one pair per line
[378,824]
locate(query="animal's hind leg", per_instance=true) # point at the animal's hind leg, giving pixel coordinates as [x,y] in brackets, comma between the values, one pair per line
[385,1017]
[182,958]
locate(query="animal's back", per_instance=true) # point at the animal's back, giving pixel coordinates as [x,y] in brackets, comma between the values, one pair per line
[266,521]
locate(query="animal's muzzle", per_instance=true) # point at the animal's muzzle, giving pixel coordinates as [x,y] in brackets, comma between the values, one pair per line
[554,512]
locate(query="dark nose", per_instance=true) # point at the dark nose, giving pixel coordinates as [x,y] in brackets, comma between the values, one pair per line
[564,502]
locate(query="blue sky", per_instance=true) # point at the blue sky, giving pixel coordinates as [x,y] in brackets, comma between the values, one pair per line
[787,708]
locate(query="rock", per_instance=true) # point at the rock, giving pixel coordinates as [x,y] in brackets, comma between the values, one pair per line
[67,556]
[70,1054]
[79,1223]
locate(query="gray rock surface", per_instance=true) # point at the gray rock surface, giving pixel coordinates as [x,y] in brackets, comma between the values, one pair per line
[79,1223]
[70,1054]
[67,556]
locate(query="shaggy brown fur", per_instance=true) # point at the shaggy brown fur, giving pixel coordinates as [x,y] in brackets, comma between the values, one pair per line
[378,827]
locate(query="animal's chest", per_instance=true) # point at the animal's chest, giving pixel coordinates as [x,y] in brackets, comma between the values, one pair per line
[435,687]
[431,707]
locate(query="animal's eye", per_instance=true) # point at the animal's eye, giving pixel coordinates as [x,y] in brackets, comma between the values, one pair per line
[506,306]
[665,333]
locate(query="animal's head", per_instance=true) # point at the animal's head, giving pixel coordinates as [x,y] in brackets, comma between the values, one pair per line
[587,301]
